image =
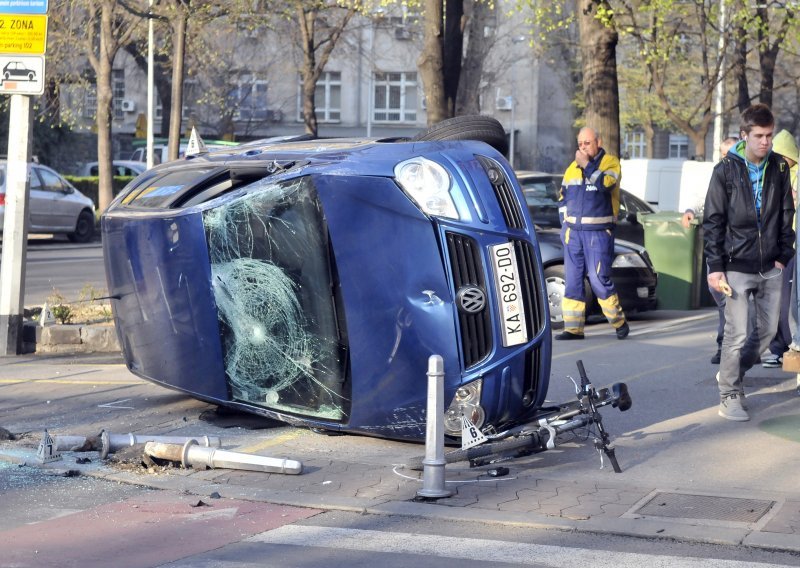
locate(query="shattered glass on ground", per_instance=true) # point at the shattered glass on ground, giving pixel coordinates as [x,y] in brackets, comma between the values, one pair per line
[271,278]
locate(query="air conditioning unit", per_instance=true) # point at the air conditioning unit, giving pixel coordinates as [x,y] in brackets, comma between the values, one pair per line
[504,103]
[127,105]
[402,32]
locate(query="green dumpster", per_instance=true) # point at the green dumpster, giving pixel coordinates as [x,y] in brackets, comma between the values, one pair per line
[677,255]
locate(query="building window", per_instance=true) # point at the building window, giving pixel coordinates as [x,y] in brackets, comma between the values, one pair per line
[634,145]
[118,90]
[118,94]
[249,97]
[191,98]
[678,146]
[90,102]
[395,97]
[327,97]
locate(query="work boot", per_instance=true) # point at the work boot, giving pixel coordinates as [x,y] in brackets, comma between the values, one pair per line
[730,408]
[567,335]
[623,331]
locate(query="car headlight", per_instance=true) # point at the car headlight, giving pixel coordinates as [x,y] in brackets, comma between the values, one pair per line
[467,402]
[428,185]
[629,260]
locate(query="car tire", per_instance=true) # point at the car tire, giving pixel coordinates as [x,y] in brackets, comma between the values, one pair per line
[7,76]
[556,283]
[480,128]
[30,76]
[84,228]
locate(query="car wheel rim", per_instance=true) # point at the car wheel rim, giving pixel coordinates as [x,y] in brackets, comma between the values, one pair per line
[555,293]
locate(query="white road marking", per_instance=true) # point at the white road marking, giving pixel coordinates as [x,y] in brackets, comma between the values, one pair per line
[481,549]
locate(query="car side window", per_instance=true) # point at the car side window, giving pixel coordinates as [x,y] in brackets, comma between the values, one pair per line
[50,181]
[35,181]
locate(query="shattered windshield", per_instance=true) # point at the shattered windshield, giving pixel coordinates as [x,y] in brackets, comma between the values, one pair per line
[273,285]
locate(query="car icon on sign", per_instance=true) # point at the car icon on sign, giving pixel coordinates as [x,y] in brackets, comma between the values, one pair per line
[17,70]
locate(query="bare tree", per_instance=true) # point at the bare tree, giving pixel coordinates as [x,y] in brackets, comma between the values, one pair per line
[598,39]
[110,27]
[320,26]
[478,14]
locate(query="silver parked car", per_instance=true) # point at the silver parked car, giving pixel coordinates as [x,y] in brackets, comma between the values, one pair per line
[55,205]
[124,168]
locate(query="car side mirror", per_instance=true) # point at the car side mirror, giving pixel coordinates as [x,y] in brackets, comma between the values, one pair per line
[68,189]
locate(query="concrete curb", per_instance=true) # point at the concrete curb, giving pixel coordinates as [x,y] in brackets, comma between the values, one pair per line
[70,338]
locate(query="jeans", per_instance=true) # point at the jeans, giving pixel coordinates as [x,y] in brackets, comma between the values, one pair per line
[741,351]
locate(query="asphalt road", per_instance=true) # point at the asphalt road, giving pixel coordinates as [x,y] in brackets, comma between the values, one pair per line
[55,265]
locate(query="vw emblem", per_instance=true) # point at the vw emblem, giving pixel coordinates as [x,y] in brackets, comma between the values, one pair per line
[471,299]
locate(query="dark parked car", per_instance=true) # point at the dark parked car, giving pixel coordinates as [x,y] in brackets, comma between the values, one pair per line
[632,271]
[310,281]
[541,194]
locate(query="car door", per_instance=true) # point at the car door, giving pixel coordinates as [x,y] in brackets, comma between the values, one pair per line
[63,210]
[40,210]
[628,226]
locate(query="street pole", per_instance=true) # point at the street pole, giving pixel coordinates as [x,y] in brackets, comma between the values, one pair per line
[15,226]
[150,89]
[511,146]
[513,115]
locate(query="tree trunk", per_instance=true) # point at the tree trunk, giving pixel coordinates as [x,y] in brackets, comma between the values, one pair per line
[105,99]
[161,81]
[307,20]
[430,62]
[179,27]
[452,52]
[599,62]
[469,89]
[740,69]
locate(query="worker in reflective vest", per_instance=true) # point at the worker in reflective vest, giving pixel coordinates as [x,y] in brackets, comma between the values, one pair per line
[588,207]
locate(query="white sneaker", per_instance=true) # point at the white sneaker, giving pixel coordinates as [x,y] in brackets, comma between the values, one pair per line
[731,408]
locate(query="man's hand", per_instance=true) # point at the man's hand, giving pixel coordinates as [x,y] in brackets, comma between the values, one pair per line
[718,282]
[687,218]
[581,158]
[779,265]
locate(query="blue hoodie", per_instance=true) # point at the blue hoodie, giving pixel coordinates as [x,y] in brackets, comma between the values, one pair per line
[756,172]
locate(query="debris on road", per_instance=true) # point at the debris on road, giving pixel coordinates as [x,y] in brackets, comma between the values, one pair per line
[192,455]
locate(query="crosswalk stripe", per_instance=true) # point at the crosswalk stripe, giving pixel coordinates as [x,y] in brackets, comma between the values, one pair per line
[480,549]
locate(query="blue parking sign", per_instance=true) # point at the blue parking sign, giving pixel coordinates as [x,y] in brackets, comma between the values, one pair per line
[23,6]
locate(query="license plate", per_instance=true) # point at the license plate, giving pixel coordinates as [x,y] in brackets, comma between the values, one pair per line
[509,294]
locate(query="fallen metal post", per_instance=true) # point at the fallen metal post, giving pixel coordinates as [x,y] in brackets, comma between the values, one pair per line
[434,463]
[114,442]
[192,455]
[107,443]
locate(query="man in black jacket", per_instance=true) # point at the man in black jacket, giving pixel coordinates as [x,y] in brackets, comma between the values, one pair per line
[748,242]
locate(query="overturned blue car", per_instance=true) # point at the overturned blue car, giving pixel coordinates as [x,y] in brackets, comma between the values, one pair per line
[310,281]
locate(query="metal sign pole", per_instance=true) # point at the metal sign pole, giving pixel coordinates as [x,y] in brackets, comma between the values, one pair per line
[15,227]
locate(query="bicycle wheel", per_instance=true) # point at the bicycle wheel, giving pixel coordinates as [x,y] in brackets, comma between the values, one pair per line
[485,449]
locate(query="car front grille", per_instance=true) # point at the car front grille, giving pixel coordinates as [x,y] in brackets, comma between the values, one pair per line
[467,269]
[504,191]
[530,286]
